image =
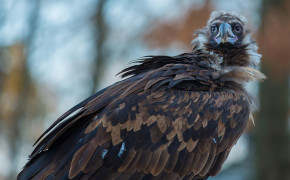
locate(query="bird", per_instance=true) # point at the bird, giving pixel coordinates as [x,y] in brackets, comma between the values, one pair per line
[171,117]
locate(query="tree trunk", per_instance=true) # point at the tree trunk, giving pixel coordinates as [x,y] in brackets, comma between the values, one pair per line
[272,130]
[15,89]
[98,66]
[273,161]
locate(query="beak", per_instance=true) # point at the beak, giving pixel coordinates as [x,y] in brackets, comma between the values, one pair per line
[225,34]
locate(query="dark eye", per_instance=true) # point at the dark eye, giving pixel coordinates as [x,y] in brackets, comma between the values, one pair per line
[238,28]
[213,28]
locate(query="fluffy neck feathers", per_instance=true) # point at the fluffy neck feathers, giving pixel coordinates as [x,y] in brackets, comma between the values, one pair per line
[244,55]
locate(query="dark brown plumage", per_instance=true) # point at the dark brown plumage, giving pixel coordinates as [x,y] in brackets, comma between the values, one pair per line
[172,118]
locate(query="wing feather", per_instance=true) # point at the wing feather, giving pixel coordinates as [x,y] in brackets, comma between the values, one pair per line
[130,128]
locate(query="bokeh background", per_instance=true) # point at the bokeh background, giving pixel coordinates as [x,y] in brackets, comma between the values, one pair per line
[55,53]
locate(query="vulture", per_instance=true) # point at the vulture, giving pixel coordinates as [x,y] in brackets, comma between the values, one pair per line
[171,117]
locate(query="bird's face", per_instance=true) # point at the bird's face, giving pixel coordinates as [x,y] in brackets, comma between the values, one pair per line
[226,32]
[223,29]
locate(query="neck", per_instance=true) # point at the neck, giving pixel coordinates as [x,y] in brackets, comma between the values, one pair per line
[242,55]
[236,65]
[231,55]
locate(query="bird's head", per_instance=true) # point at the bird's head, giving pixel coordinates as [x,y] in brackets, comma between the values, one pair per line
[226,29]
[227,35]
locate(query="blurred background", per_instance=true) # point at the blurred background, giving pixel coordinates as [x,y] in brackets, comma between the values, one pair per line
[55,53]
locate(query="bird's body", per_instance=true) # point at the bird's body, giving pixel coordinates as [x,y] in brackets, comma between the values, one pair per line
[173,118]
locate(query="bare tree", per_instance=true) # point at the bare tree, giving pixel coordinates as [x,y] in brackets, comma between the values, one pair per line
[100,35]
[272,133]
[18,90]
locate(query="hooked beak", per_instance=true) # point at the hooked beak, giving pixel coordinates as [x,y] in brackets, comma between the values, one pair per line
[225,34]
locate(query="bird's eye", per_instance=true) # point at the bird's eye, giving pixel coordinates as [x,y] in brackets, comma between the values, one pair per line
[213,28]
[238,28]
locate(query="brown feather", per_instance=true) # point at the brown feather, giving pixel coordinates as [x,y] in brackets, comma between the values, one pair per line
[171,162]
[219,162]
[82,157]
[191,145]
[132,166]
[144,159]
[153,161]
[209,162]
[185,169]
[156,134]
[162,162]
[96,160]
[202,162]
[129,157]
